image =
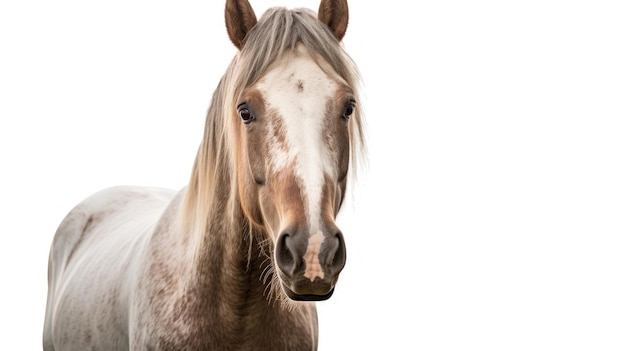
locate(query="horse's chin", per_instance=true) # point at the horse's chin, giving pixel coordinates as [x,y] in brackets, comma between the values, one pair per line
[307,297]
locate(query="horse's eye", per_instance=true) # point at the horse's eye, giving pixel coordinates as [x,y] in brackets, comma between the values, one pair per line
[349,109]
[245,114]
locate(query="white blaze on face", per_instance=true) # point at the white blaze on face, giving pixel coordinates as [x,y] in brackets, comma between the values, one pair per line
[298,90]
[311,257]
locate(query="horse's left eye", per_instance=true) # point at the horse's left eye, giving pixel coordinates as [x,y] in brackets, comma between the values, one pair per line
[349,109]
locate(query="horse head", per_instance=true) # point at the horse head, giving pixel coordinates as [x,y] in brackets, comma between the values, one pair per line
[294,129]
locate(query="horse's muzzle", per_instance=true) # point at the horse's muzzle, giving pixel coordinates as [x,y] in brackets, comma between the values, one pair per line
[309,265]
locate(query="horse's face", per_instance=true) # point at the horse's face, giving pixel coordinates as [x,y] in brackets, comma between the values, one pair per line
[294,165]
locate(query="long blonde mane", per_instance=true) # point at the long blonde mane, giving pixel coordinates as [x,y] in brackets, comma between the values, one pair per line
[278,32]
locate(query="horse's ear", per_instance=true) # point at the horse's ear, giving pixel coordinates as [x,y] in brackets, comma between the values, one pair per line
[240,19]
[334,13]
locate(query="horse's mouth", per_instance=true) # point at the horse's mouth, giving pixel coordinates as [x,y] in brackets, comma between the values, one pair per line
[307,296]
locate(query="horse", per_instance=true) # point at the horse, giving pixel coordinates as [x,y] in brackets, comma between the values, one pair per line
[237,259]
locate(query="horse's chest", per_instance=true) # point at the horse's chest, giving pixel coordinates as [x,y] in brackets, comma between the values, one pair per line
[245,334]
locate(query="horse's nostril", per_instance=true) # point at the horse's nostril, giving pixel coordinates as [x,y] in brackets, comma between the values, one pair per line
[336,258]
[286,254]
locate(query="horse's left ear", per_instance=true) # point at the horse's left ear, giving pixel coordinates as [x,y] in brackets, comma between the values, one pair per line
[240,19]
[334,13]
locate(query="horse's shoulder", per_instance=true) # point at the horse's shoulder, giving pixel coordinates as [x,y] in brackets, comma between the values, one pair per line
[95,209]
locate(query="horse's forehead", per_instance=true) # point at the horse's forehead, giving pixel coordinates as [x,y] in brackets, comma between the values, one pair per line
[297,95]
[296,86]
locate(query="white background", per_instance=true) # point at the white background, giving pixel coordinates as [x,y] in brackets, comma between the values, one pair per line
[493,212]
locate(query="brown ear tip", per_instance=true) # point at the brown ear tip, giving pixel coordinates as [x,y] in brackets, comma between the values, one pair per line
[335,14]
[240,19]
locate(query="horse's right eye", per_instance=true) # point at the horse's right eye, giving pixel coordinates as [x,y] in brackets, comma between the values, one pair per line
[245,114]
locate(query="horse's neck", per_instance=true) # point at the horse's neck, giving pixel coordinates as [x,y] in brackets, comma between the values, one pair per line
[228,266]
[199,279]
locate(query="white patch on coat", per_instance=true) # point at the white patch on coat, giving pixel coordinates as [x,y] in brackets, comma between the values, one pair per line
[280,158]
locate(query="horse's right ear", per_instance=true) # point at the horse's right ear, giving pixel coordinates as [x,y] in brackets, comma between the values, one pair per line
[240,19]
